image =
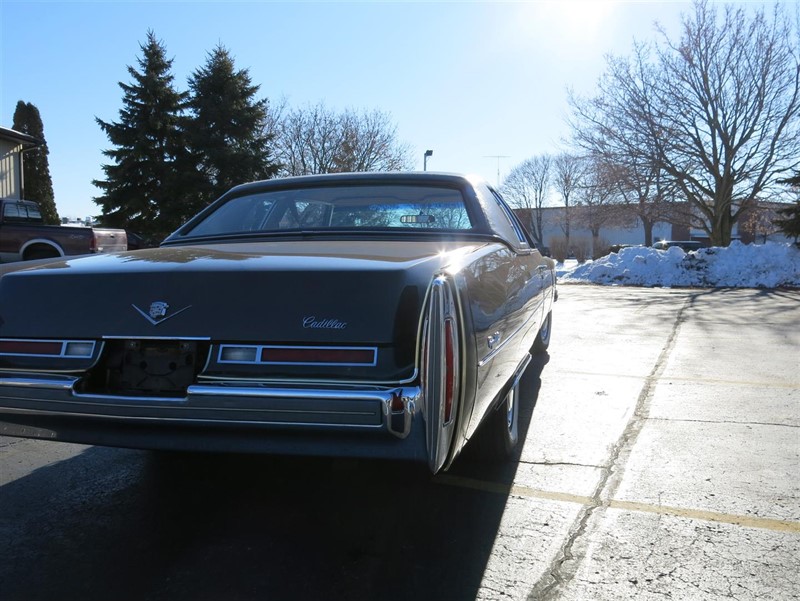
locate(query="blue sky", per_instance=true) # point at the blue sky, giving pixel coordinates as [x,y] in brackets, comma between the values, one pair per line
[468,80]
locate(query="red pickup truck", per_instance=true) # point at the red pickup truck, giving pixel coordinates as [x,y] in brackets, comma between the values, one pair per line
[24,236]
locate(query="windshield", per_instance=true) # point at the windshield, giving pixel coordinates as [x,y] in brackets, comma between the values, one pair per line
[339,207]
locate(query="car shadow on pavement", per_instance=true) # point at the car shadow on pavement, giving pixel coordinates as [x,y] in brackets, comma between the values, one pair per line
[123,524]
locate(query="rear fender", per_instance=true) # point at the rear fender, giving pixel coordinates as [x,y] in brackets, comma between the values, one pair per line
[40,243]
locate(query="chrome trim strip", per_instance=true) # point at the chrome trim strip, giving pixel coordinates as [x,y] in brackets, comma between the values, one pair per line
[523,365]
[83,395]
[312,382]
[52,383]
[191,421]
[188,338]
[502,345]
[32,370]
[292,393]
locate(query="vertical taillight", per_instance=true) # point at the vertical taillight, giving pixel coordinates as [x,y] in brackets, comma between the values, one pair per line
[449,368]
[440,374]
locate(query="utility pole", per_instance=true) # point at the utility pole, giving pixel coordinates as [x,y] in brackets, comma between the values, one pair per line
[498,157]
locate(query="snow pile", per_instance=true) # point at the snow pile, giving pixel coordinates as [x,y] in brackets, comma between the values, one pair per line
[769,265]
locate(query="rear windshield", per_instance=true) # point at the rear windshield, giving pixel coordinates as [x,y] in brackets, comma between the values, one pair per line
[21,211]
[339,208]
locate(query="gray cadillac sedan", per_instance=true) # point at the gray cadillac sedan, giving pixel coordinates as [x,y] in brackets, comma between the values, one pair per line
[375,314]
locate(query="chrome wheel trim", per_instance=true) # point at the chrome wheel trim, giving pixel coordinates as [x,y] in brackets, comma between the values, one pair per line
[544,331]
[510,408]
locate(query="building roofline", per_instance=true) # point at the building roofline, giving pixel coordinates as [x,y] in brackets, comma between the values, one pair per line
[17,136]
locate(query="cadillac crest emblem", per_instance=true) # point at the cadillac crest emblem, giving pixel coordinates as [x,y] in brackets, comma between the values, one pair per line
[158,312]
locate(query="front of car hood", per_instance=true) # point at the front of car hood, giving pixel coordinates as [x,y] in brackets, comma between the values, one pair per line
[286,292]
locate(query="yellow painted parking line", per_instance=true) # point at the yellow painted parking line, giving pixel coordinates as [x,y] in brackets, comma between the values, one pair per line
[745,521]
[710,516]
[515,489]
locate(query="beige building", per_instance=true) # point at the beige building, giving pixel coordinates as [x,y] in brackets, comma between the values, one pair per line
[624,227]
[12,146]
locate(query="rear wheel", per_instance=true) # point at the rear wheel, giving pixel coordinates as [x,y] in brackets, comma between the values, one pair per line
[543,337]
[507,428]
[498,437]
[40,253]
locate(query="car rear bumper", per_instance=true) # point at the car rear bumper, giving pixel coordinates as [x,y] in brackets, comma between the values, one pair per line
[219,417]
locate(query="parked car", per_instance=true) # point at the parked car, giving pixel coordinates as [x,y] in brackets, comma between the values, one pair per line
[615,248]
[24,235]
[137,241]
[686,245]
[376,315]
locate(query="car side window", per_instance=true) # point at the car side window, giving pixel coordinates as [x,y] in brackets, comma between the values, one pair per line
[519,232]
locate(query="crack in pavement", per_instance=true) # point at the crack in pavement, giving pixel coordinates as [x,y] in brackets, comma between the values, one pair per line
[723,421]
[554,463]
[565,565]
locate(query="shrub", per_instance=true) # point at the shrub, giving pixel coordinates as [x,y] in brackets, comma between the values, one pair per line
[580,248]
[558,249]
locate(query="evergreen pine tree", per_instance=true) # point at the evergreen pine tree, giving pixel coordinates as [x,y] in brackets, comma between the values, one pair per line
[145,186]
[789,221]
[228,132]
[35,165]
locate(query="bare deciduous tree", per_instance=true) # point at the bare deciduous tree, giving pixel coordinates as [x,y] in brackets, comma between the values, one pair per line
[309,140]
[527,187]
[567,181]
[644,188]
[369,143]
[599,196]
[316,139]
[717,111]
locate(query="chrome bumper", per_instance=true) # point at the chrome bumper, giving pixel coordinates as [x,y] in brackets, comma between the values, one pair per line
[391,410]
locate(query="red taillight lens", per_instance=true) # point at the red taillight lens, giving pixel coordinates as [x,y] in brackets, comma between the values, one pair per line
[73,349]
[449,369]
[30,347]
[317,355]
[298,355]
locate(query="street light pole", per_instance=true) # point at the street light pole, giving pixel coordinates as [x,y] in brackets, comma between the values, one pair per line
[427,154]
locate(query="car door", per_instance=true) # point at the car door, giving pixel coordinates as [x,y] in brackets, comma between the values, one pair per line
[505,288]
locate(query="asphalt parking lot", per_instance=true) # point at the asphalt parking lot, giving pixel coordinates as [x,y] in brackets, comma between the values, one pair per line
[661,460]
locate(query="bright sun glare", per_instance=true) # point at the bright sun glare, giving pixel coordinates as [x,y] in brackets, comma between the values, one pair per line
[573,21]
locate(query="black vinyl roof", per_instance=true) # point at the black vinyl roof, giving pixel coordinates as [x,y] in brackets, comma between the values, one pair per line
[361,177]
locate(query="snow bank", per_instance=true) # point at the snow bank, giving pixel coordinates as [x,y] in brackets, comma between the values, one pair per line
[769,265]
